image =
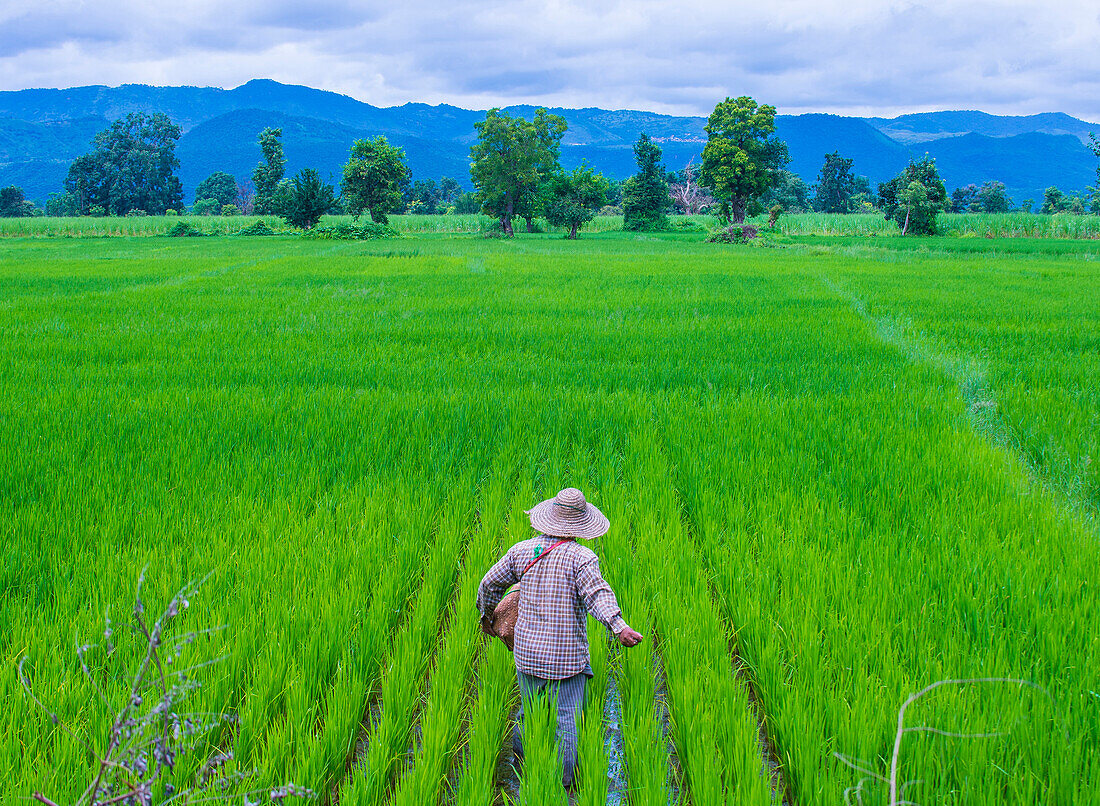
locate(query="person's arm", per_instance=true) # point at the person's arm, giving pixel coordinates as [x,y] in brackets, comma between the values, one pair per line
[493,585]
[600,601]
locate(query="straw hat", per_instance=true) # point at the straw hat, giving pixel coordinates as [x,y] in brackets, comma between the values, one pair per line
[567,514]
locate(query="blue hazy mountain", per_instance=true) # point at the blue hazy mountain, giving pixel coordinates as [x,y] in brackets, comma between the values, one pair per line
[42,130]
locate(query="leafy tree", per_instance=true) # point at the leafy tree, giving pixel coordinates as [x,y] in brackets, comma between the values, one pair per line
[131,167]
[1026,205]
[965,200]
[14,205]
[423,196]
[992,197]
[614,192]
[467,203]
[645,195]
[62,204]
[206,207]
[373,179]
[1094,147]
[219,186]
[268,174]
[308,199]
[742,157]
[572,199]
[512,158]
[914,210]
[789,191]
[230,210]
[836,185]
[1054,201]
[449,191]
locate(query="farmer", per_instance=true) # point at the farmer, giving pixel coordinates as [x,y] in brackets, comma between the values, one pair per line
[562,583]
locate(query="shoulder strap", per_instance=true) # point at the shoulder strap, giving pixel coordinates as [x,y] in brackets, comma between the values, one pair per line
[540,555]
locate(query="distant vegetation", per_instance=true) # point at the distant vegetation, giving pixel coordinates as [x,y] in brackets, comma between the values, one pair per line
[516,172]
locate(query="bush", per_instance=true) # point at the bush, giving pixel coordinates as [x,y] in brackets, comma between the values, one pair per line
[257,228]
[170,211]
[685,224]
[135,213]
[206,207]
[366,231]
[97,211]
[184,229]
[230,209]
[735,233]
[610,209]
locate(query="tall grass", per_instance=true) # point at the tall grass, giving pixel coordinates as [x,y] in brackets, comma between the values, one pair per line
[984,225]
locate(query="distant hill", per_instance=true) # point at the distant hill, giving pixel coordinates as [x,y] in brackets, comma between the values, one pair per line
[42,130]
[921,128]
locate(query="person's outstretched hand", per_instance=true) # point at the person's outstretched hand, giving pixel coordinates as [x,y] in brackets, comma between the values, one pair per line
[629,637]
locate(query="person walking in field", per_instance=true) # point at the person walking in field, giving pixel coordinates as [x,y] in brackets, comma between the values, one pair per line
[559,583]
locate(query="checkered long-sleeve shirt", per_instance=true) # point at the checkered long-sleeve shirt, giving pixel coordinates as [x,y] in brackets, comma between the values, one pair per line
[551,638]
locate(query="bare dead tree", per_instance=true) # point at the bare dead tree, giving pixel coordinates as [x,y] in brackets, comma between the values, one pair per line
[689,196]
[897,793]
[150,731]
[246,196]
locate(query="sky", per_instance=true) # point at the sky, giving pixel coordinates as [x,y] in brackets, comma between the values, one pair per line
[858,57]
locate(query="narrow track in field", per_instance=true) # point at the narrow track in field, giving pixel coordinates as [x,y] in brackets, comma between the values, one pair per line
[969,372]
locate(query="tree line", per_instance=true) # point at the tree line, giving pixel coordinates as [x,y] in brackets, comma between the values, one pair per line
[516,173]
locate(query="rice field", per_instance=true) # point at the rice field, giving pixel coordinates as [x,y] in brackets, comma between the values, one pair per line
[837,473]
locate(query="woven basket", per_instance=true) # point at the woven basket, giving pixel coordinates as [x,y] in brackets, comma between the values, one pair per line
[505,616]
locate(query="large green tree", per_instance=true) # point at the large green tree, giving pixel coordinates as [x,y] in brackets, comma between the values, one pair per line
[790,192]
[308,198]
[572,199]
[132,166]
[268,175]
[512,158]
[13,204]
[219,186]
[836,185]
[1094,147]
[742,157]
[374,178]
[645,195]
[914,198]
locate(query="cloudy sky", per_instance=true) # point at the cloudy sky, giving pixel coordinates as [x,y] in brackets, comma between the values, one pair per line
[849,56]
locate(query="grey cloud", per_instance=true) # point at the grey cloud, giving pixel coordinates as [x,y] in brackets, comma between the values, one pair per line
[801,55]
[35,31]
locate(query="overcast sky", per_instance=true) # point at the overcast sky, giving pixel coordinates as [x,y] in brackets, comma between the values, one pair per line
[879,57]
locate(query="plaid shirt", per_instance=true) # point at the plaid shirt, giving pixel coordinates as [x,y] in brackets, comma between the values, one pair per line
[551,639]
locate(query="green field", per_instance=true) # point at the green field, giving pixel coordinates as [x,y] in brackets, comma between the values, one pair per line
[836,471]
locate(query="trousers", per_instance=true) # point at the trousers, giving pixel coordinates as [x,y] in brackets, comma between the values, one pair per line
[570,696]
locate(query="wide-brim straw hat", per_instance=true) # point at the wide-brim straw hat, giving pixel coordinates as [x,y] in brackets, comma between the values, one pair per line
[567,514]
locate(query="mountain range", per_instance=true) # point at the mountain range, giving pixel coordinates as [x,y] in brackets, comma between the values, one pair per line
[43,130]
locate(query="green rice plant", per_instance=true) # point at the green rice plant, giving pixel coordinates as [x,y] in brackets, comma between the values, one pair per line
[540,778]
[443,716]
[391,733]
[592,756]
